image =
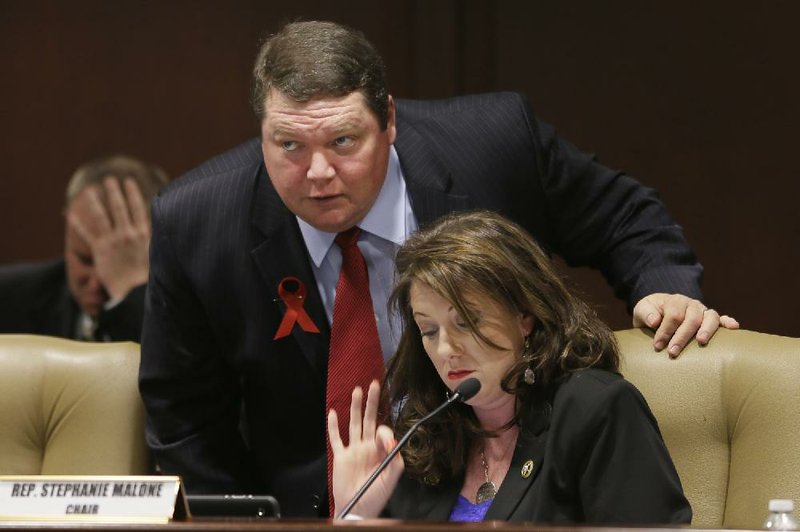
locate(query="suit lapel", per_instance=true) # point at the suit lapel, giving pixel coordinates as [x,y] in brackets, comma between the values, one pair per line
[435,503]
[69,313]
[57,310]
[525,466]
[429,182]
[442,505]
[282,253]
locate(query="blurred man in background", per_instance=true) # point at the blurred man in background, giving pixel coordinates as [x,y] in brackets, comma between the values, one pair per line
[96,291]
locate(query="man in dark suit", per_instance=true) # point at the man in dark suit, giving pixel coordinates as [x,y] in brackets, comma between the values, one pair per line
[234,405]
[96,292]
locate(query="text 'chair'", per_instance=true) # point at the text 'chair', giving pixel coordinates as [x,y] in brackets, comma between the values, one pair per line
[730,416]
[70,408]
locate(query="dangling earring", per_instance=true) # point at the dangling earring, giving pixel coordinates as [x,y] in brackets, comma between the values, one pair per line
[528,376]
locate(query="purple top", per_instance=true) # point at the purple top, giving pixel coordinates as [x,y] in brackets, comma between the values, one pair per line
[466,511]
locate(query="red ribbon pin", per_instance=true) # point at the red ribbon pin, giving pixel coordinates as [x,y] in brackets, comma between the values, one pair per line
[293,293]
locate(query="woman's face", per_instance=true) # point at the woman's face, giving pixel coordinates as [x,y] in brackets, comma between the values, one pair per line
[457,354]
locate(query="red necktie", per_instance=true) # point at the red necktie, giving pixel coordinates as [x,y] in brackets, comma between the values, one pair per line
[355,357]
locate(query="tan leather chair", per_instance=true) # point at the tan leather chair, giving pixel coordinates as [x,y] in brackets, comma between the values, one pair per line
[730,415]
[70,408]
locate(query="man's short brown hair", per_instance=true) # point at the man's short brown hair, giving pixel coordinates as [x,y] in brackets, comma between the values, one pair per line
[150,178]
[305,60]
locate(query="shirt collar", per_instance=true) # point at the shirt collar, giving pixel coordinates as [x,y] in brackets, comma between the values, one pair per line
[385,219]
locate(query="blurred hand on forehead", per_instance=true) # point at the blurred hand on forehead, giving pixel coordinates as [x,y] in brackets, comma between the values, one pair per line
[116,228]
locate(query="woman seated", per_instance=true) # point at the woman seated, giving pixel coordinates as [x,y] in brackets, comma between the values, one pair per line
[555,433]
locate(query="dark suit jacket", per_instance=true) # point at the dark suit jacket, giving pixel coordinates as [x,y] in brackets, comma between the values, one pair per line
[35,299]
[598,458]
[223,241]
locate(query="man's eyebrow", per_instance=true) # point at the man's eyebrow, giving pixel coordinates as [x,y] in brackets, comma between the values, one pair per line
[281,133]
[345,126]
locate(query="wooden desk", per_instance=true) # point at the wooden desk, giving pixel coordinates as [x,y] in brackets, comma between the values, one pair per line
[297,525]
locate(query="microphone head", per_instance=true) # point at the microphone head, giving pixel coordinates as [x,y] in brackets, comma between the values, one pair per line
[467,389]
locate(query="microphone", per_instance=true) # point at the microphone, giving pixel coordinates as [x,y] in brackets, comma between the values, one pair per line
[465,391]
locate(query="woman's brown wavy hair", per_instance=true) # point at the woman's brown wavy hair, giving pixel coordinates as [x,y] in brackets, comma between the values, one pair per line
[481,253]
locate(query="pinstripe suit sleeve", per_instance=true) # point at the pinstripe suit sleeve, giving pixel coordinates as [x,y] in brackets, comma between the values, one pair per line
[502,158]
[607,220]
[191,395]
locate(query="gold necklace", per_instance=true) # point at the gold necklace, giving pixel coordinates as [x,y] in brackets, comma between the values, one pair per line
[487,490]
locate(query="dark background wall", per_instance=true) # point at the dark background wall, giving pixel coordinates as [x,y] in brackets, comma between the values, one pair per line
[697,99]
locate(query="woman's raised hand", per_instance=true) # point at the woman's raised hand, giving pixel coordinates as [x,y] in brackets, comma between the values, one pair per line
[353,464]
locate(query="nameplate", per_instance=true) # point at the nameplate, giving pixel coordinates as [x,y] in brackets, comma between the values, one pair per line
[106,499]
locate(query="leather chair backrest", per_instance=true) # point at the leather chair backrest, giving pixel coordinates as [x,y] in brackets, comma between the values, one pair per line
[70,408]
[730,416]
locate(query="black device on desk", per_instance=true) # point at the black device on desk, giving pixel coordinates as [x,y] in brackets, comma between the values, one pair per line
[233,506]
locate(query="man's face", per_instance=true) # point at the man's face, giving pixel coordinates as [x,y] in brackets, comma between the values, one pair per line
[86,289]
[327,157]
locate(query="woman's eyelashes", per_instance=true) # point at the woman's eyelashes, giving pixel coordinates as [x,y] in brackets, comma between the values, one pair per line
[427,332]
